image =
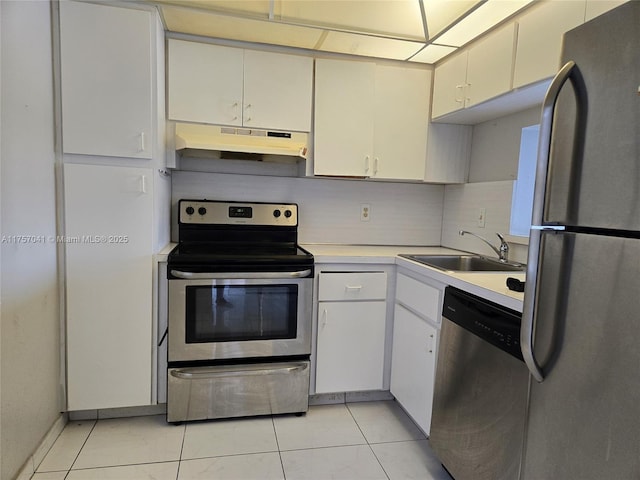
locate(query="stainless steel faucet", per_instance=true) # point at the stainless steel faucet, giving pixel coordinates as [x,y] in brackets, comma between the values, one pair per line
[502,252]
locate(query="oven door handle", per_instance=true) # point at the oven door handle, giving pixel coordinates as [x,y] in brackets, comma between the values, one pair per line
[240,275]
[213,372]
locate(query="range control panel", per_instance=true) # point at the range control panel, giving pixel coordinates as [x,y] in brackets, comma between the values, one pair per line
[213,212]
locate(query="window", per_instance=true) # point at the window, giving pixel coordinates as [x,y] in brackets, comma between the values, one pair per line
[522,202]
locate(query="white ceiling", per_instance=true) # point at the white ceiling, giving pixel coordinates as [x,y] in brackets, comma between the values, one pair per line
[414,30]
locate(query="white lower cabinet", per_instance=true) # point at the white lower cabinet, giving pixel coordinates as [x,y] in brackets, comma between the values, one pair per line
[108,240]
[414,352]
[351,331]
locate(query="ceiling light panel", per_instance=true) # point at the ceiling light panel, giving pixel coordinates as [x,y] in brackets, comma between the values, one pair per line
[485,17]
[443,13]
[209,24]
[369,46]
[432,53]
[394,18]
[254,8]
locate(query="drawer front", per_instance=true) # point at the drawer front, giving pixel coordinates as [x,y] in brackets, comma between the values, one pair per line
[199,393]
[352,286]
[420,297]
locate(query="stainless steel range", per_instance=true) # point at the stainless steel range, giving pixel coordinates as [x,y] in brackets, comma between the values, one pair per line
[240,297]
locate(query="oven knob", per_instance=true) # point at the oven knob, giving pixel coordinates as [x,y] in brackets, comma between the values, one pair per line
[189,210]
[202,210]
[276,213]
[287,213]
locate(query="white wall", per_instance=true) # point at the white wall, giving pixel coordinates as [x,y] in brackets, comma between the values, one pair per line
[30,351]
[495,147]
[495,150]
[329,210]
[461,208]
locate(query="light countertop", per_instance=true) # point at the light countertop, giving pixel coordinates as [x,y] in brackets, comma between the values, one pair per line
[489,285]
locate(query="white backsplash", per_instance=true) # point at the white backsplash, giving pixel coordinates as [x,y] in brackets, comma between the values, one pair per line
[461,208]
[329,209]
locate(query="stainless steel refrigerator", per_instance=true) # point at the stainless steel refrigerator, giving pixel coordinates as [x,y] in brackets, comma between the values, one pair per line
[581,322]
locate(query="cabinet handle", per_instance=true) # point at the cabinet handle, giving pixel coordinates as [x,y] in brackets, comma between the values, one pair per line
[431,343]
[459,88]
[141,147]
[350,288]
[143,184]
[366,163]
[375,165]
[324,317]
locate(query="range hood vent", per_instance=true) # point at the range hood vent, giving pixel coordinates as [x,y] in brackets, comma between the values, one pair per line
[233,143]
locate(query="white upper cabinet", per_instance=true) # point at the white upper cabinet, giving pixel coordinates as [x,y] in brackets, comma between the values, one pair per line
[481,72]
[344,110]
[490,65]
[401,122]
[204,83]
[107,80]
[231,86]
[595,8]
[370,120]
[278,91]
[540,39]
[450,80]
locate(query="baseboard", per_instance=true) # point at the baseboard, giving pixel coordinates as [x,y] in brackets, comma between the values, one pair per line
[348,397]
[121,412]
[32,463]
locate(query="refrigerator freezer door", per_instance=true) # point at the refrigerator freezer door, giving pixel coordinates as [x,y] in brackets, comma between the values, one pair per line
[584,418]
[594,178]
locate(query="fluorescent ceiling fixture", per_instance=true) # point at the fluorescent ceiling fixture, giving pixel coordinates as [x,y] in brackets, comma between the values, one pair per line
[485,17]
[442,13]
[432,53]
[395,18]
[369,46]
[210,24]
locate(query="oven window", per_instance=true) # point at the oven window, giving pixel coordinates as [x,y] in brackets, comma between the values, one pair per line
[227,313]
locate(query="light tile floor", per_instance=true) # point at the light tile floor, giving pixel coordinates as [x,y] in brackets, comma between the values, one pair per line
[367,440]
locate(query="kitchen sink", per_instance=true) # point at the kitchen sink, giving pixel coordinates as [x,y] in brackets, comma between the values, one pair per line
[465,263]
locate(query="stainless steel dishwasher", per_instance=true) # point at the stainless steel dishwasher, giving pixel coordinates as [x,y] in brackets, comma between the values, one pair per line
[480,398]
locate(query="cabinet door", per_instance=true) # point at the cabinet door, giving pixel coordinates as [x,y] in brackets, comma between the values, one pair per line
[106,68]
[489,68]
[538,54]
[350,349]
[413,365]
[402,97]
[204,83]
[596,8]
[449,82]
[344,110]
[278,90]
[108,214]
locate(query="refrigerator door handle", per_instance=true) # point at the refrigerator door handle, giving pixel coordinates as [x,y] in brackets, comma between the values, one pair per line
[530,306]
[571,72]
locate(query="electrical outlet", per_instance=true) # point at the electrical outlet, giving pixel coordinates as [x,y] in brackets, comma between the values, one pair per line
[482,213]
[365,212]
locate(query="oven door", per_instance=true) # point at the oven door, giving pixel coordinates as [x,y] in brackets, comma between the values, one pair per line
[215,316]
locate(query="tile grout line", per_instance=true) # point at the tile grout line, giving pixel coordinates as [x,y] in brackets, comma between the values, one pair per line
[367,440]
[184,436]
[95,424]
[275,433]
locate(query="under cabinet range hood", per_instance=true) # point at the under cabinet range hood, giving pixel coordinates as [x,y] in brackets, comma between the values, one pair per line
[223,142]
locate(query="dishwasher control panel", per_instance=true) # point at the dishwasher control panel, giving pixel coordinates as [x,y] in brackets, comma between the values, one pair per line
[498,325]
